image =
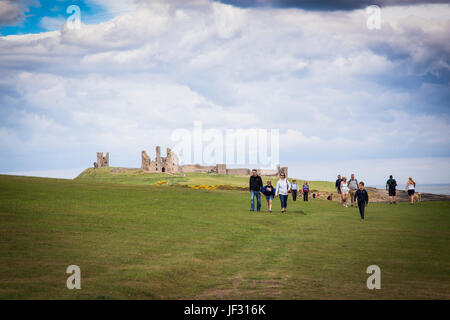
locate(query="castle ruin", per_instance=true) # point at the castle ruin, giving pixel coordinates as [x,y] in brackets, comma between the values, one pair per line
[102,161]
[170,164]
[161,164]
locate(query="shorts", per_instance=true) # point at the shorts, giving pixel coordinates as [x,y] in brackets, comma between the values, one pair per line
[392,192]
[410,192]
[269,197]
[344,191]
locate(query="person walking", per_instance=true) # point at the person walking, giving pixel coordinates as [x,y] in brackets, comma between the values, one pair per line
[391,186]
[344,191]
[352,186]
[338,185]
[294,190]
[362,198]
[410,188]
[305,188]
[269,191]
[283,188]
[255,186]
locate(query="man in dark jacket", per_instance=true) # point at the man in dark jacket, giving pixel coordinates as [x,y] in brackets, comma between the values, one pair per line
[363,199]
[338,185]
[255,187]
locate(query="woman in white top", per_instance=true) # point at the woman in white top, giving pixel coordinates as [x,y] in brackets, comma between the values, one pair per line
[344,191]
[282,189]
[410,188]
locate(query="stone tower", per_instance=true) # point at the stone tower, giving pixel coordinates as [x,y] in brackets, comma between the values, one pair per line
[102,161]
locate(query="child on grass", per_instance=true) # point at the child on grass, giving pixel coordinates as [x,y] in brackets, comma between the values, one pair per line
[269,191]
[362,197]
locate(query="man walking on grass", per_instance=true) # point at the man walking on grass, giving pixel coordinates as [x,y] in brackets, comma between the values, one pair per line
[352,186]
[255,186]
[391,186]
[338,185]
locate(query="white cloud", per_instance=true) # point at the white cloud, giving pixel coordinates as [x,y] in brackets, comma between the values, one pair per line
[52,23]
[127,83]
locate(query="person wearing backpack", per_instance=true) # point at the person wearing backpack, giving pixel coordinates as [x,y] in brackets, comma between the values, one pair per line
[305,188]
[282,189]
[352,186]
[391,185]
[269,191]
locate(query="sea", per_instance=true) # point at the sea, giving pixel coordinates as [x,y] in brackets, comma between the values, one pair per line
[427,188]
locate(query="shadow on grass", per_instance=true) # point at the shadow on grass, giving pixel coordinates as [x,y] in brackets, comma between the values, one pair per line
[298,211]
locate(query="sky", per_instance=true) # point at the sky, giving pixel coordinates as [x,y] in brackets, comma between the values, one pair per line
[345,98]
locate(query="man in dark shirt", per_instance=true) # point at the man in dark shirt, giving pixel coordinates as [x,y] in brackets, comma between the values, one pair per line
[255,186]
[391,185]
[363,199]
[338,185]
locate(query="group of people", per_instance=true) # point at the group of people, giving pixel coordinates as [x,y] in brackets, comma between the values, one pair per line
[345,188]
[356,191]
[359,196]
[281,190]
[391,186]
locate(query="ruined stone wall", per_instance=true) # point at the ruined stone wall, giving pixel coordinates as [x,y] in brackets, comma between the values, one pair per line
[242,171]
[145,161]
[221,169]
[196,168]
[268,172]
[171,161]
[170,164]
[161,164]
[102,161]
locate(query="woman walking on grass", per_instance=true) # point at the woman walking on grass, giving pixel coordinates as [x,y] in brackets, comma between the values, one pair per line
[410,188]
[282,189]
[344,191]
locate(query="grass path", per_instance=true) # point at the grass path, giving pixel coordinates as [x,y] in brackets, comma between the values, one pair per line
[149,242]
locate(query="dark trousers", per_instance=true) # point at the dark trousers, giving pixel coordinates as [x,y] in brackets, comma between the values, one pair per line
[305,195]
[283,200]
[294,195]
[361,206]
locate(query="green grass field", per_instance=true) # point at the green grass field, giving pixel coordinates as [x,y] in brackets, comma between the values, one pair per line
[166,242]
[137,177]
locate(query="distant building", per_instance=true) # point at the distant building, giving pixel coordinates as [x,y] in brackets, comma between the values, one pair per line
[161,164]
[102,161]
[170,164]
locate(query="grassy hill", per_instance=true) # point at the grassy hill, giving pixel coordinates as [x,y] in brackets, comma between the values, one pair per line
[145,241]
[138,177]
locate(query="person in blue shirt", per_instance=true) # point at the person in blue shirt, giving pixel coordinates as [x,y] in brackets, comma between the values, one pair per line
[269,191]
[362,197]
[305,191]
